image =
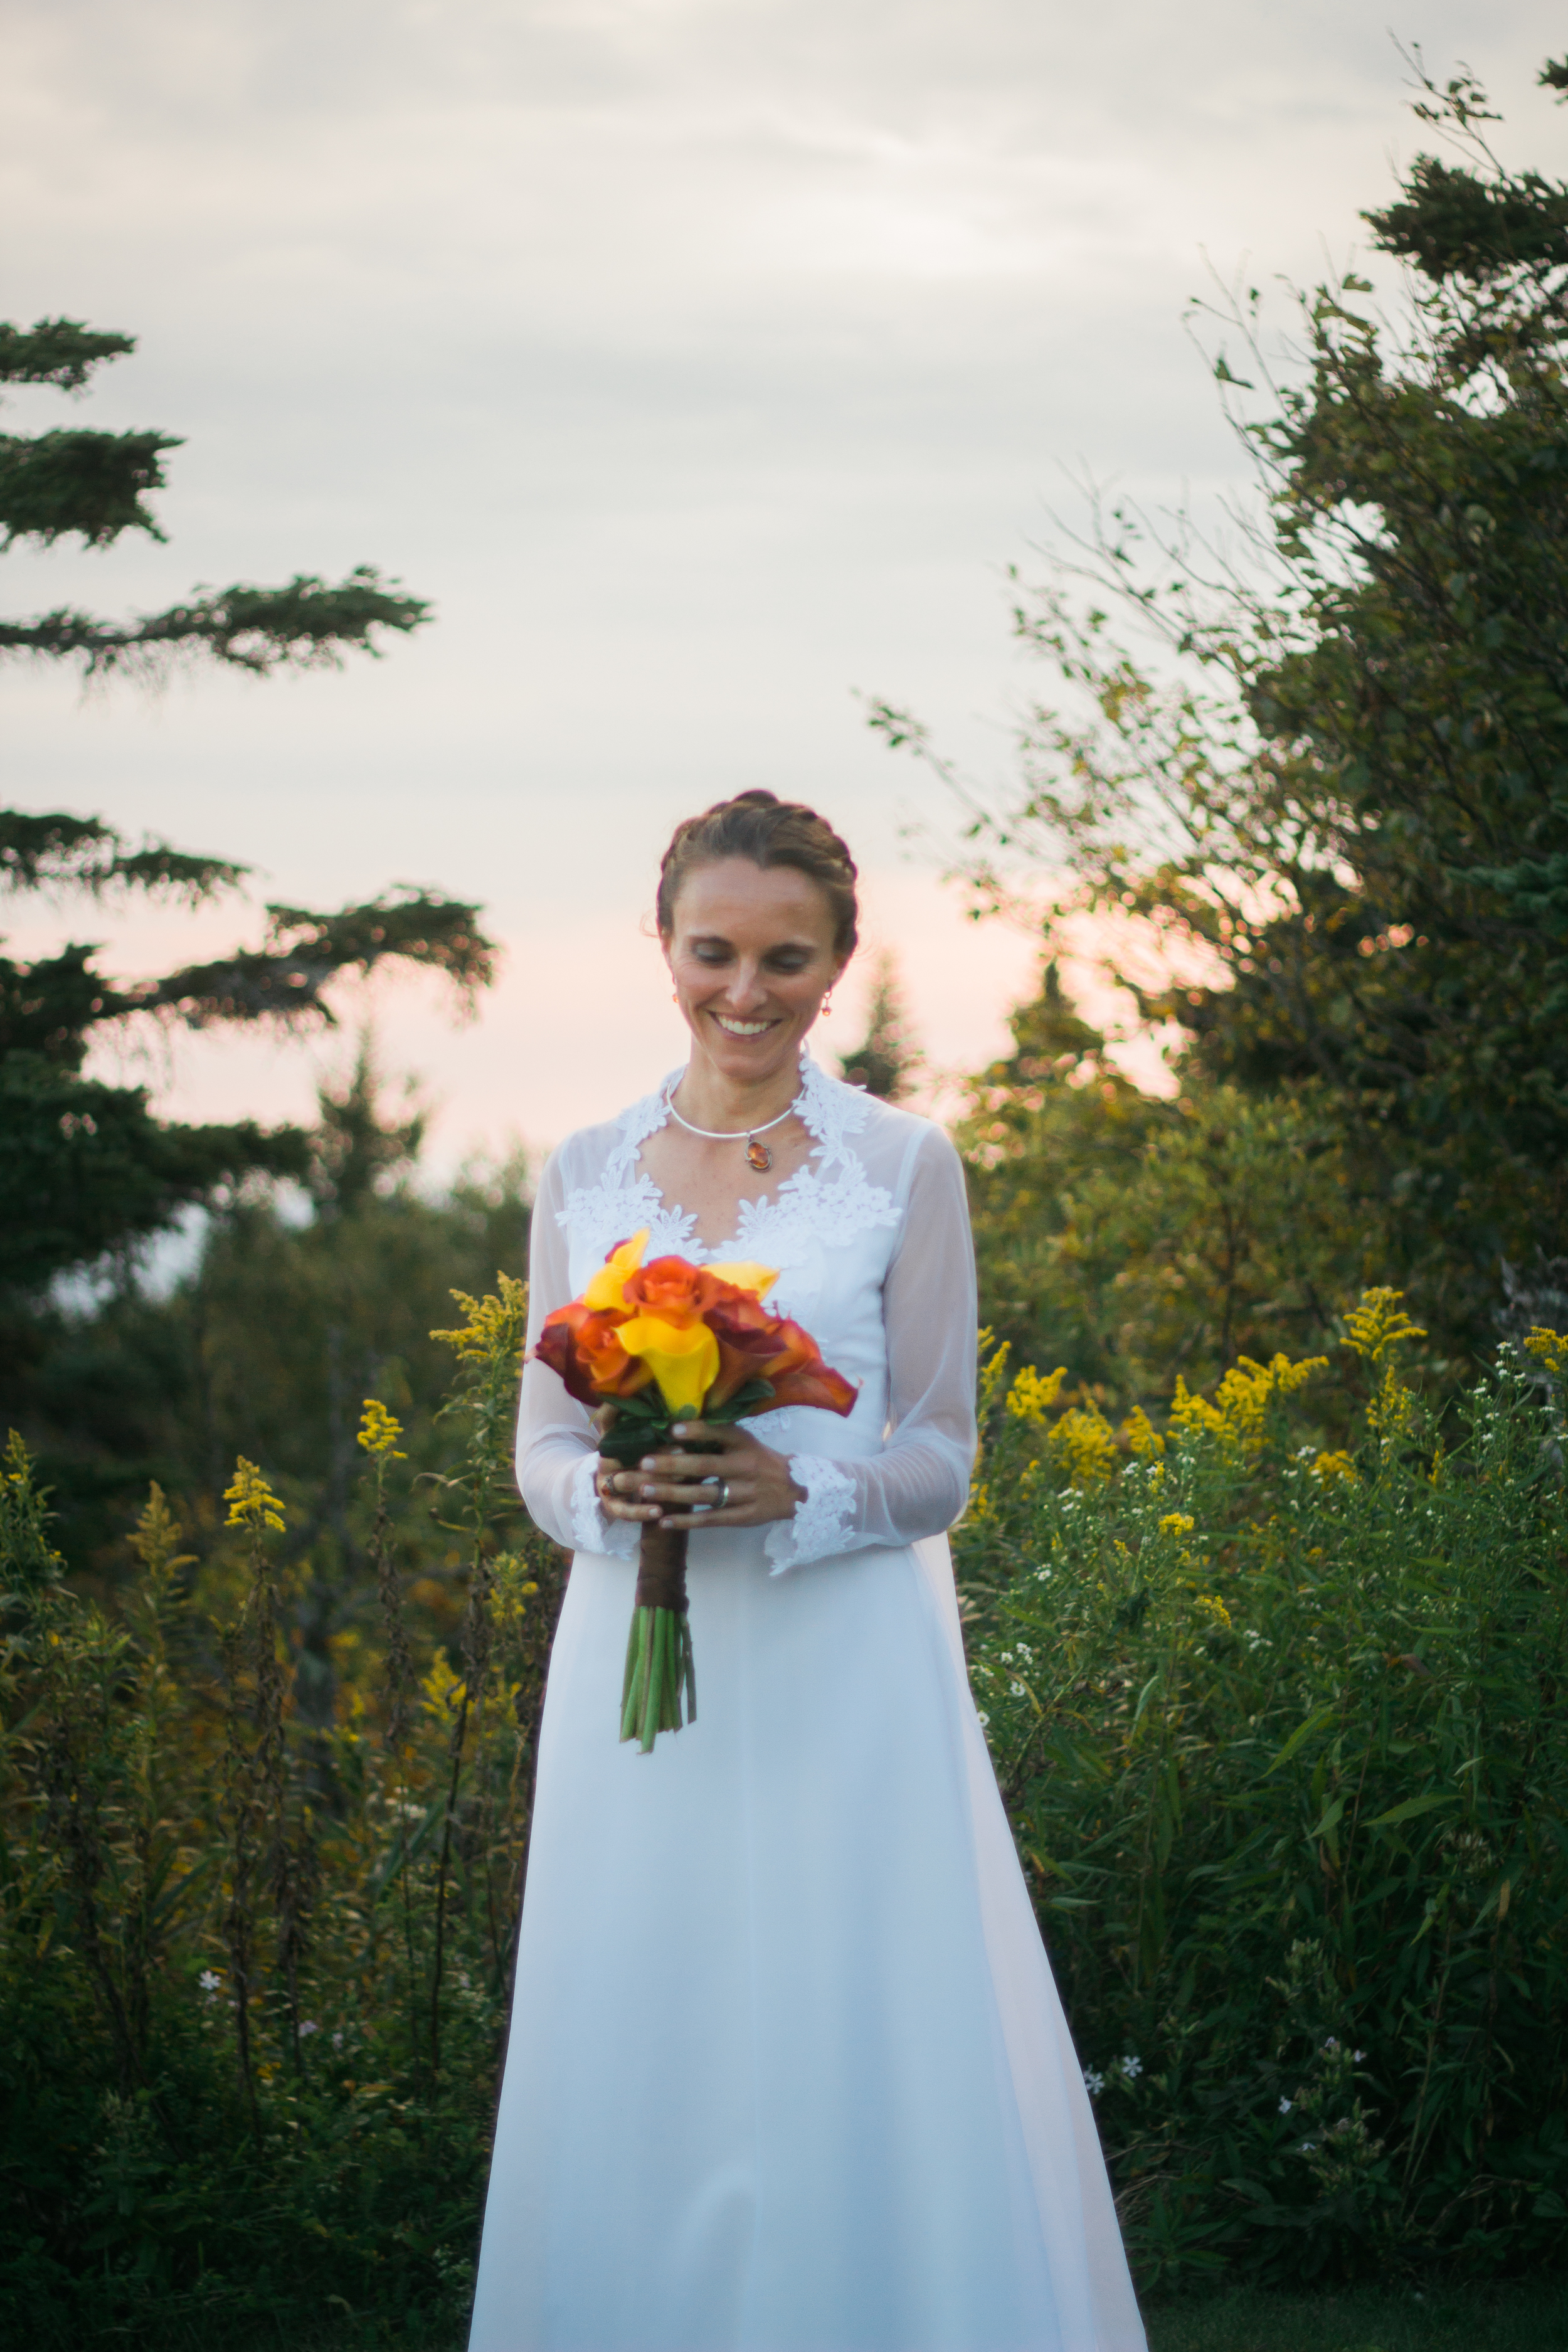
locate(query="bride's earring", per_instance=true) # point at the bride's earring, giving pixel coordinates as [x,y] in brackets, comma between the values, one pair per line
[828,1004]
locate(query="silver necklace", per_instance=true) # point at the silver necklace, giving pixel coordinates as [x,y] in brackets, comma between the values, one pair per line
[758,1156]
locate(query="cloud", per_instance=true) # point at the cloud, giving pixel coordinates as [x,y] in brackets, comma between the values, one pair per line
[703,359]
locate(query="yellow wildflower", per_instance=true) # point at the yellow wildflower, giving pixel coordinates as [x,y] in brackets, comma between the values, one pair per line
[496,1324]
[1334,1465]
[1142,1437]
[1379,1323]
[1177,1523]
[251,1501]
[1548,1347]
[379,1430]
[1082,1442]
[443,1687]
[1239,1413]
[1214,1606]
[1029,1395]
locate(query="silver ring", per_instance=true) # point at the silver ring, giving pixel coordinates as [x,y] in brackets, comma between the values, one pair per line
[723,1486]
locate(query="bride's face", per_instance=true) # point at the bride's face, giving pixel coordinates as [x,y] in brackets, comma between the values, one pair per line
[751,956]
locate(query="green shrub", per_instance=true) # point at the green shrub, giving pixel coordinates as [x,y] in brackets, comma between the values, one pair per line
[1281,1736]
[254,1971]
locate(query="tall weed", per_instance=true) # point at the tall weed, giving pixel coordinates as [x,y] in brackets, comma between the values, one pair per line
[254,1969]
[1282,1734]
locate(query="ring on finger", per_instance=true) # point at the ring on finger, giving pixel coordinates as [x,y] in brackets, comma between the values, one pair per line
[723,1486]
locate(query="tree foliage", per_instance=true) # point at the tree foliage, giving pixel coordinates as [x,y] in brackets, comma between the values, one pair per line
[887,1059]
[86,1167]
[1344,816]
[95,485]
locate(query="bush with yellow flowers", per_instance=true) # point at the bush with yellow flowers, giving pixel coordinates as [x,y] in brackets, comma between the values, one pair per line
[254,1966]
[1283,1734]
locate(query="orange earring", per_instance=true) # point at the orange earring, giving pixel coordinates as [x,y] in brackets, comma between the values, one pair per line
[828,1004]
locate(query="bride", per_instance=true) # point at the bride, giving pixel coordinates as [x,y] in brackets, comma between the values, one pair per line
[787,2069]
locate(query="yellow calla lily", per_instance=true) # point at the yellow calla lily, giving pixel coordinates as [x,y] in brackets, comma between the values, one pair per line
[606,1292]
[685,1363]
[758,1279]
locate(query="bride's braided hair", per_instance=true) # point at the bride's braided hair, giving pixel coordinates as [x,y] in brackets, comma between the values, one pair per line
[770,832]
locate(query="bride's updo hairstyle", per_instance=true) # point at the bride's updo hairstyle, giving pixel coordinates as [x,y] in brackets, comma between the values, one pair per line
[769,831]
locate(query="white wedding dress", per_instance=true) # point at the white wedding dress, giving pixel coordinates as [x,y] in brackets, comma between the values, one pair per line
[787,2070]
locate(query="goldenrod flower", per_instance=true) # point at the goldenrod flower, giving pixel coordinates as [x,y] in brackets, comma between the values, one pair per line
[1548,1347]
[1084,1443]
[251,1501]
[1334,1465]
[379,1430]
[1379,1323]
[1030,1395]
[1238,1415]
[495,1324]
[1143,1438]
[1177,1523]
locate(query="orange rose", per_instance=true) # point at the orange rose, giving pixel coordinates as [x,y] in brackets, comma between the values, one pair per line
[583,1348]
[674,1291]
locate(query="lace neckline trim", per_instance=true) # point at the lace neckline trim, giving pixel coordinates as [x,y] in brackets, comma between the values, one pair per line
[828,1197]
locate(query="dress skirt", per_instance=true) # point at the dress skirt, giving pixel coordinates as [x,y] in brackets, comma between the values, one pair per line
[787,2070]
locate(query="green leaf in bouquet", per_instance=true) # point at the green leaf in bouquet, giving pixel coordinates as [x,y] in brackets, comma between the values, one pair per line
[756,1397]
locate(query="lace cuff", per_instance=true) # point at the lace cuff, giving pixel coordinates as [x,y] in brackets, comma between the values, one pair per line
[822,1522]
[590,1530]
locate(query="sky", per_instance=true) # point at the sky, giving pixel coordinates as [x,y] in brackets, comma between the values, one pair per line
[707,363]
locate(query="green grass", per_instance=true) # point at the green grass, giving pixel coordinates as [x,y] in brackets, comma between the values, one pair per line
[1519,2317]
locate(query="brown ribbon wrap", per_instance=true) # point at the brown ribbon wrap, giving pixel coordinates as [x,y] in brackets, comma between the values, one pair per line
[661,1569]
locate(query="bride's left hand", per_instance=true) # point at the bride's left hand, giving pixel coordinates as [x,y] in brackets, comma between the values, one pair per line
[757,1487]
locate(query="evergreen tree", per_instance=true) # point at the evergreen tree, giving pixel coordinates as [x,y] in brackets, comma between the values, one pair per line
[85,1167]
[886,1061]
[93,484]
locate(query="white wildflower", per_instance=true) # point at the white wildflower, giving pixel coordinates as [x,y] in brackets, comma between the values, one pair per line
[209,1981]
[1093,2082]
[1131,2068]
[1286,2106]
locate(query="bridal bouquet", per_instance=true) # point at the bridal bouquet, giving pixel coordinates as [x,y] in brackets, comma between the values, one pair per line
[661,1343]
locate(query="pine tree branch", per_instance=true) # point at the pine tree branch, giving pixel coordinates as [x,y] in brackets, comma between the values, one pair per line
[286,981]
[52,484]
[57,852]
[305,625]
[61,351]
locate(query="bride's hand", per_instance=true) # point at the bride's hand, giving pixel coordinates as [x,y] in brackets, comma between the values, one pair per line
[678,1488]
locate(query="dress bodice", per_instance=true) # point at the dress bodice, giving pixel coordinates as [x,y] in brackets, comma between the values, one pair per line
[871,1240]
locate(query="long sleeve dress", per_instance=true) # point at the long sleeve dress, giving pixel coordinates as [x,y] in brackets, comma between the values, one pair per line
[787,2070]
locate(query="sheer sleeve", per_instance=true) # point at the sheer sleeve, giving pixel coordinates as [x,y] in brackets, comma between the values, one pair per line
[918,1483]
[556,1441]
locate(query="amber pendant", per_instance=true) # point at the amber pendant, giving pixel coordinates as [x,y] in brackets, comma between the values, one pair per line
[759,1157]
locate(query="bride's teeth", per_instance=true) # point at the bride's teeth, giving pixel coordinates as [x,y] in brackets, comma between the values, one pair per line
[742,1028]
